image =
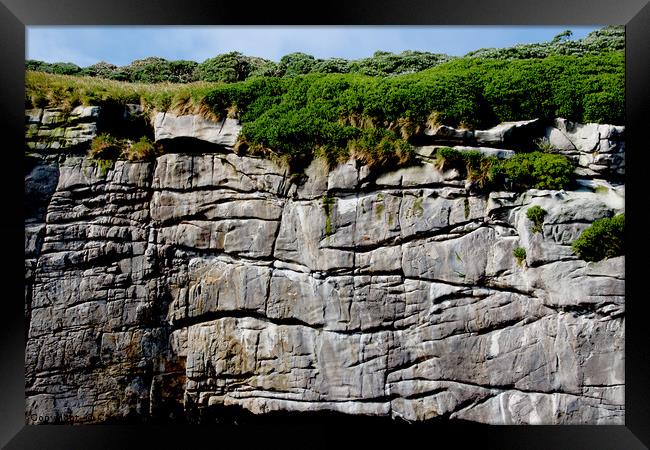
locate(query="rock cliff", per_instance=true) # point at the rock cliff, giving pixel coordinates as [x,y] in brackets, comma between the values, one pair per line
[201,282]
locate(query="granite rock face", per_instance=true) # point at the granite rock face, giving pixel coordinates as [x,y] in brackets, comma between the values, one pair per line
[164,290]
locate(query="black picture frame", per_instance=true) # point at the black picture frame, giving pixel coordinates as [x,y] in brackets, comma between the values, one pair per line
[15,15]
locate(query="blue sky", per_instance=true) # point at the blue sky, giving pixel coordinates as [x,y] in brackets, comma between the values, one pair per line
[120,45]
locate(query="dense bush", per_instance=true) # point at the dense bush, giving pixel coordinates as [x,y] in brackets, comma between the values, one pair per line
[482,171]
[104,70]
[605,238]
[536,215]
[229,68]
[233,66]
[387,63]
[59,68]
[523,171]
[295,64]
[607,39]
[537,170]
[379,147]
[155,70]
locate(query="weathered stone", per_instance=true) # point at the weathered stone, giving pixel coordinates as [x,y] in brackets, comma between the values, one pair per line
[170,126]
[597,149]
[443,132]
[487,151]
[506,132]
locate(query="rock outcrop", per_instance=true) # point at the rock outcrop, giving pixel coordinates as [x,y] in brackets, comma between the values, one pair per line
[165,290]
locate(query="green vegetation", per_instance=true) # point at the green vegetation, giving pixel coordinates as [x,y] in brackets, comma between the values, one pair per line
[142,150]
[105,148]
[104,165]
[610,38]
[544,145]
[229,68]
[328,206]
[482,171]
[369,109]
[536,215]
[520,254]
[234,66]
[537,170]
[522,171]
[605,238]
[63,91]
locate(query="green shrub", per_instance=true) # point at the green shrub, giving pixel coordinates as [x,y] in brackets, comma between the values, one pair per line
[101,69]
[156,70]
[448,158]
[607,39]
[605,238]
[537,170]
[295,64]
[520,254]
[59,68]
[105,147]
[387,63]
[536,215]
[229,67]
[144,149]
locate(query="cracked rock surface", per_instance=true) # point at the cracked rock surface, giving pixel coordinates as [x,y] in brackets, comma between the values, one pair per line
[161,290]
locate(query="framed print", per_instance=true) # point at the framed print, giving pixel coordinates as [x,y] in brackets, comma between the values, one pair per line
[406,242]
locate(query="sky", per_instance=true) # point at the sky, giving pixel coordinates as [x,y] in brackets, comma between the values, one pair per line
[121,45]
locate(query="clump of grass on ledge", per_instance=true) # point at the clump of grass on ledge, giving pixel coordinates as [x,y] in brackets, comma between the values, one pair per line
[105,147]
[143,149]
[605,238]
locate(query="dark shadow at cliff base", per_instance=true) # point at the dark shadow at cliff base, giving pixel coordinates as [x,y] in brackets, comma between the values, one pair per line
[236,415]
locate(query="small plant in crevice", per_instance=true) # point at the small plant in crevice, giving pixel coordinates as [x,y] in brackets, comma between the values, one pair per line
[536,215]
[104,165]
[605,238]
[520,254]
[482,171]
[544,145]
[328,206]
[418,209]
